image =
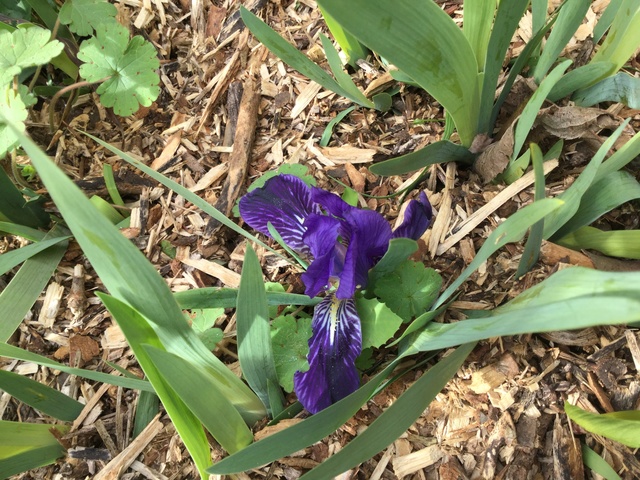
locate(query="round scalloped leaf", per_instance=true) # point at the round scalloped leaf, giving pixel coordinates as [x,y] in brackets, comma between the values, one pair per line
[25,47]
[290,342]
[13,109]
[129,67]
[83,16]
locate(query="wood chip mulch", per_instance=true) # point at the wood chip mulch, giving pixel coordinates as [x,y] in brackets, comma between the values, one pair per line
[229,111]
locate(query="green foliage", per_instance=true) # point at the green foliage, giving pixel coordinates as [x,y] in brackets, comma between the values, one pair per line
[410,289]
[623,426]
[378,322]
[24,446]
[25,47]
[12,107]
[289,338]
[202,323]
[126,68]
[84,16]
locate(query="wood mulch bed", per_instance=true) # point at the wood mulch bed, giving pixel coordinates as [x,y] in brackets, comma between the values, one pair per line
[229,111]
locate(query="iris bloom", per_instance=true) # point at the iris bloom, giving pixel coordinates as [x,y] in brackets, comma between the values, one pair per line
[342,244]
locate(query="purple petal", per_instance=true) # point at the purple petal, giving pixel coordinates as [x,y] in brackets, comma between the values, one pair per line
[335,344]
[417,218]
[331,202]
[322,239]
[367,234]
[285,201]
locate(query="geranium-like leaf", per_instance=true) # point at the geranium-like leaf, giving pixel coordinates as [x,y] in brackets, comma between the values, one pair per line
[129,67]
[25,47]
[290,342]
[83,16]
[377,321]
[410,289]
[12,107]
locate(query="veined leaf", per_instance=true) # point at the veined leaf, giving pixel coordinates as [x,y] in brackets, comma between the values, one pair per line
[351,47]
[615,243]
[254,335]
[41,397]
[622,88]
[227,297]
[478,20]
[623,426]
[571,14]
[424,42]
[598,464]
[570,299]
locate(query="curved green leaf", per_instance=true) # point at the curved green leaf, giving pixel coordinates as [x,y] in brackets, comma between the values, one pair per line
[623,427]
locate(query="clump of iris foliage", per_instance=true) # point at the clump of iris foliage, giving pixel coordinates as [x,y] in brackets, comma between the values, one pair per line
[364,289]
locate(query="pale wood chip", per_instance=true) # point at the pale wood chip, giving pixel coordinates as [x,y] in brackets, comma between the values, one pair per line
[408,464]
[226,276]
[348,154]
[119,464]
[553,254]
[306,96]
[482,213]
[168,151]
[210,177]
[632,342]
[51,304]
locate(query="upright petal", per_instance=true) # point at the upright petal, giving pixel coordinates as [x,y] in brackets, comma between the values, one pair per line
[334,346]
[417,218]
[322,239]
[285,201]
[331,202]
[367,234]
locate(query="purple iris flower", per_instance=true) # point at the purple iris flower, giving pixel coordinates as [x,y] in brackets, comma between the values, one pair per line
[342,244]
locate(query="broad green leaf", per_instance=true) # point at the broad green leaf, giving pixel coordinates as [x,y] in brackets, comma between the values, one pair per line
[508,16]
[41,397]
[84,16]
[254,335]
[129,276]
[19,296]
[623,426]
[395,420]
[25,446]
[629,151]
[303,434]
[622,88]
[351,47]
[581,77]
[531,109]
[211,297]
[140,336]
[615,243]
[25,47]
[597,464]
[15,209]
[572,13]
[343,78]
[439,152]
[146,410]
[290,343]
[605,21]
[478,20]
[127,69]
[531,251]
[204,319]
[292,57]
[378,323]
[410,290]
[511,230]
[13,258]
[602,197]
[11,106]
[424,42]
[15,9]
[16,353]
[572,196]
[583,305]
[623,38]
[199,393]
[326,135]
[21,230]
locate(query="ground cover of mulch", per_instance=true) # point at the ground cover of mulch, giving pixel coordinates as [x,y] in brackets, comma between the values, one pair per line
[229,111]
